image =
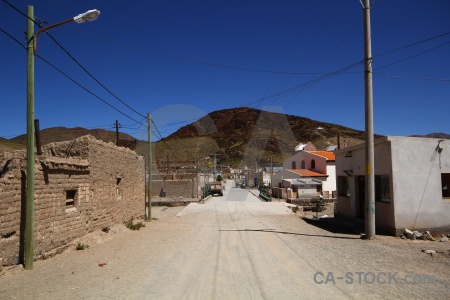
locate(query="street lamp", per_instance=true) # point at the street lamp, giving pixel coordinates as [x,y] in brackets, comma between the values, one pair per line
[90,15]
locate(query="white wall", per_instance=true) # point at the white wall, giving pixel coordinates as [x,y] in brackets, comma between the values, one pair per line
[417,169]
[320,161]
[330,183]
[415,182]
[285,174]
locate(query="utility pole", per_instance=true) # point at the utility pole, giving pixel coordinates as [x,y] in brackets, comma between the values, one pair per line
[117,132]
[29,210]
[149,181]
[90,15]
[167,164]
[198,178]
[37,135]
[215,162]
[369,144]
[271,169]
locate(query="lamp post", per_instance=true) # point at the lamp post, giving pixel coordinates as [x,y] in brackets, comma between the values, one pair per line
[90,15]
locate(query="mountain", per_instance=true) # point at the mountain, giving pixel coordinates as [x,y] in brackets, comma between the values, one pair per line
[7,145]
[60,134]
[251,135]
[436,135]
[236,135]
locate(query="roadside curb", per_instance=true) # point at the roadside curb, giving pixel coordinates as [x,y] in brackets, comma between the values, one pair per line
[202,201]
[258,196]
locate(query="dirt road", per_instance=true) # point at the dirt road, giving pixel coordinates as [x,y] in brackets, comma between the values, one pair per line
[234,247]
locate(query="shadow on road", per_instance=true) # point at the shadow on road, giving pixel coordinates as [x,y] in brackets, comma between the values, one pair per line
[336,225]
[294,233]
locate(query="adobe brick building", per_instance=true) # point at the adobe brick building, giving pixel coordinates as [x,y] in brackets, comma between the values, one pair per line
[80,186]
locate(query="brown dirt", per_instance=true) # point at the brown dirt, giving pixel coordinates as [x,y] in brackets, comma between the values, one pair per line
[231,249]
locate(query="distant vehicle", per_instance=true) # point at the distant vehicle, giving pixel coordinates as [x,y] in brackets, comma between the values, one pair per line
[216,187]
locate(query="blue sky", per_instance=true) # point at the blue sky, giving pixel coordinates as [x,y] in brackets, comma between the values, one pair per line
[180,60]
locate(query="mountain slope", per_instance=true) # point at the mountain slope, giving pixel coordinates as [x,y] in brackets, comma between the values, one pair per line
[249,134]
[60,134]
[436,135]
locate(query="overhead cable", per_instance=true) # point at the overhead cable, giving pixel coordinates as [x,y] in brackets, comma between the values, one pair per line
[76,61]
[87,90]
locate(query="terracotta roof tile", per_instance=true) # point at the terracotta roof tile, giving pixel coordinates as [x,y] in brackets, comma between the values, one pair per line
[308,173]
[327,154]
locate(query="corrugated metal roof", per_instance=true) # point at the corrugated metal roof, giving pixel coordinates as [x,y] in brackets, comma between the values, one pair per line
[331,148]
[309,181]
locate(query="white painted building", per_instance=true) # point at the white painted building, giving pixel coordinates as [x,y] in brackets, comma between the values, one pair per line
[306,171]
[412,183]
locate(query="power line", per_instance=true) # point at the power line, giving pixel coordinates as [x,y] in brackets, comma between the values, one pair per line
[161,138]
[352,27]
[409,77]
[303,85]
[413,56]
[87,90]
[77,62]
[330,75]
[22,13]
[74,81]
[195,61]
[71,79]
[292,50]
[92,76]
[13,38]
[411,45]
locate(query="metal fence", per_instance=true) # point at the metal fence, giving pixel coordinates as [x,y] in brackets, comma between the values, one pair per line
[265,192]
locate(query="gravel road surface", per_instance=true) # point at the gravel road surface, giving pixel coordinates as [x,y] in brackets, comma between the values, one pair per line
[235,247]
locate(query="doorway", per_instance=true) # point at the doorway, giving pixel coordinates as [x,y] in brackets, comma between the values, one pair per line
[361,197]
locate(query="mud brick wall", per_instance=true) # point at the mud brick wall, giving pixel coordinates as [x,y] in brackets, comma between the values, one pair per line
[80,186]
[175,188]
[174,176]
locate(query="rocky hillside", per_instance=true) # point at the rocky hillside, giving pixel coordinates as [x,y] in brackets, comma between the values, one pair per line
[253,135]
[436,135]
[236,135]
[60,134]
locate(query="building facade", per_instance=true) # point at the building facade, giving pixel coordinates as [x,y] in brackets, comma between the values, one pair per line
[80,186]
[412,183]
[308,174]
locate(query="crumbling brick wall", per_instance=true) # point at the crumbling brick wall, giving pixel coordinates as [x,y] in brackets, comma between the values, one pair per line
[80,186]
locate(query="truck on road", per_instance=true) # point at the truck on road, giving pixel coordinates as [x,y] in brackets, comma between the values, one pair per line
[216,187]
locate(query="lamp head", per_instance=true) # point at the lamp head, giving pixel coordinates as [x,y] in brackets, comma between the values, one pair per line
[90,15]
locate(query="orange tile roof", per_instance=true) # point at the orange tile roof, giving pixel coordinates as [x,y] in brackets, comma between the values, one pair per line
[327,154]
[308,173]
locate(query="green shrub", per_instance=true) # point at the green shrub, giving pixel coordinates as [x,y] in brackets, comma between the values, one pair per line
[131,225]
[80,246]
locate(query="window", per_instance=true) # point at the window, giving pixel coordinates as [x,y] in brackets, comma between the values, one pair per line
[343,186]
[118,180]
[70,198]
[303,164]
[382,188]
[313,164]
[294,165]
[445,178]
